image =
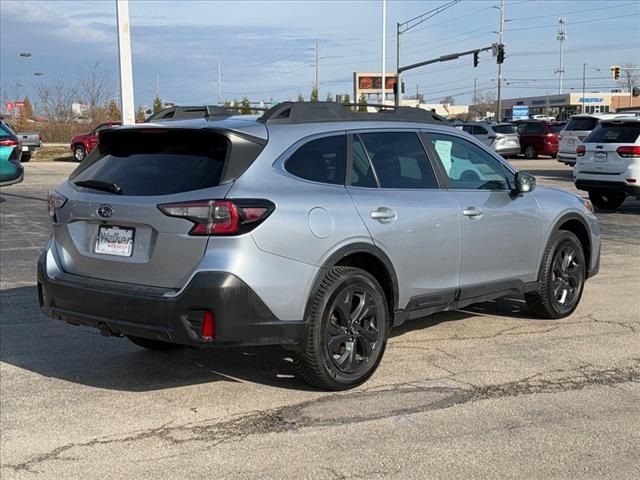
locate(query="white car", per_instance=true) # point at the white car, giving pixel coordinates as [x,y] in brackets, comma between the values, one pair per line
[577,129]
[608,162]
[544,118]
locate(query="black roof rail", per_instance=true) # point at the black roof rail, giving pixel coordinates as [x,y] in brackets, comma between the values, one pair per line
[307,112]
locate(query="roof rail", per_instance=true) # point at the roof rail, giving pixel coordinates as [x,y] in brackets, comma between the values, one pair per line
[307,112]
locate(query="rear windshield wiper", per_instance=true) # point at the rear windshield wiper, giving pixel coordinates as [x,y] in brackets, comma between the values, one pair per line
[99,185]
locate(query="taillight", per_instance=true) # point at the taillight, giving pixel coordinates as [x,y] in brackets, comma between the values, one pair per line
[55,202]
[220,217]
[629,152]
[8,143]
[580,150]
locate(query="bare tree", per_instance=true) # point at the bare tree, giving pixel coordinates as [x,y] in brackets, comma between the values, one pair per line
[95,86]
[448,100]
[485,103]
[55,103]
[630,75]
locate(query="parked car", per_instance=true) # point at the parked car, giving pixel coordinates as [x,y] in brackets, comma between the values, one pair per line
[501,137]
[31,142]
[11,170]
[542,117]
[183,112]
[576,130]
[82,144]
[608,162]
[312,227]
[538,137]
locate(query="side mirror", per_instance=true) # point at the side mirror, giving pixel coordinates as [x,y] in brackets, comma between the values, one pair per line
[525,182]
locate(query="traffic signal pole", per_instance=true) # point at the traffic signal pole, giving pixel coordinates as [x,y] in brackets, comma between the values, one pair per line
[500,42]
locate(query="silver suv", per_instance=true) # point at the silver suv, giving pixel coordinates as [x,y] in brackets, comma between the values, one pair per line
[312,227]
[502,137]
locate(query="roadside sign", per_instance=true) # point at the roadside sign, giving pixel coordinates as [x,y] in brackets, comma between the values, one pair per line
[520,112]
[9,106]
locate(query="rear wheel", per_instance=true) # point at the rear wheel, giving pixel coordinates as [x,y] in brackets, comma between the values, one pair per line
[347,330]
[25,157]
[562,278]
[606,200]
[530,152]
[79,153]
[154,344]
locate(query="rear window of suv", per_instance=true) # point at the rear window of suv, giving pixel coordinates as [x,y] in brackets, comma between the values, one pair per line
[581,124]
[614,132]
[504,129]
[156,161]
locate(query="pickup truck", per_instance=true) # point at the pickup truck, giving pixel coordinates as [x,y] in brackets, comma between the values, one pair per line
[30,143]
[83,143]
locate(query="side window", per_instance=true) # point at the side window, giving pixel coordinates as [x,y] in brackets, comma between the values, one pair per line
[322,160]
[478,130]
[522,128]
[467,128]
[362,173]
[468,166]
[399,160]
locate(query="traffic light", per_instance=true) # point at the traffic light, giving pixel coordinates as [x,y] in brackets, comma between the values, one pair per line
[476,59]
[500,56]
[615,72]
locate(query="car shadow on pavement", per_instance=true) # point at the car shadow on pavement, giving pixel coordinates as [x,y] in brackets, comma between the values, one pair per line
[33,342]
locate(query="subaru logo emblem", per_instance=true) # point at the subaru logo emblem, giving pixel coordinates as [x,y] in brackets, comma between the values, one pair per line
[105,211]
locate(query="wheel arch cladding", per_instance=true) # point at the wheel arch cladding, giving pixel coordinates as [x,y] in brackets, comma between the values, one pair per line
[575,224]
[366,257]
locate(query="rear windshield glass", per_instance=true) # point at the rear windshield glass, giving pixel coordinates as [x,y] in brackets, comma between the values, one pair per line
[609,132]
[506,129]
[556,127]
[581,124]
[155,162]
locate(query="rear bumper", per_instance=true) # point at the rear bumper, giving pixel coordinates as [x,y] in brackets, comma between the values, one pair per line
[603,185]
[241,318]
[508,151]
[567,158]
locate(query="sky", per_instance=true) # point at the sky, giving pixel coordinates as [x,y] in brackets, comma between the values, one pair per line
[267,48]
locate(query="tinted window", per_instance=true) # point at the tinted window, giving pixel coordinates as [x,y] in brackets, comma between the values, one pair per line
[156,162]
[467,128]
[556,127]
[610,132]
[532,128]
[505,129]
[322,160]
[468,166]
[478,130]
[362,173]
[399,160]
[581,123]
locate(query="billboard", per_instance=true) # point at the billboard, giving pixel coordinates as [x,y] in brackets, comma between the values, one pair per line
[371,83]
[520,112]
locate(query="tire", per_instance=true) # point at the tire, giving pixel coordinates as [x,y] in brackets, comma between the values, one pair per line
[606,200]
[79,153]
[530,152]
[154,344]
[562,278]
[339,351]
[25,157]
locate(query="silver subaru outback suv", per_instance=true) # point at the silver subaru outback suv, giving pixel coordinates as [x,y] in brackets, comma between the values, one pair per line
[312,227]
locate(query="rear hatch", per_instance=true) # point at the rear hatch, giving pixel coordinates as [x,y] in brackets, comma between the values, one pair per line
[575,132]
[111,227]
[606,148]
[506,137]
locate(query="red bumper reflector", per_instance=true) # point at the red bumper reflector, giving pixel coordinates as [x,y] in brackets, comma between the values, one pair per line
[631,180]
[208,326]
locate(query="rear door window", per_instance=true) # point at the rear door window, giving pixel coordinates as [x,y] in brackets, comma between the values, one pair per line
[321,160]
[614,132]
[149,162]
[478,130]
[581,124]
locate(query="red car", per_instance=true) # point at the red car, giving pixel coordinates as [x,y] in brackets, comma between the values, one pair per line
[83,143]
[538,137]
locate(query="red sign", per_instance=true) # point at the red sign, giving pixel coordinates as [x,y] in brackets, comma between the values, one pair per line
[9,106]
[19,104]
[375,82]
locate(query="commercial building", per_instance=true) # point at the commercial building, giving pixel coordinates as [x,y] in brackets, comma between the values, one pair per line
[562,106]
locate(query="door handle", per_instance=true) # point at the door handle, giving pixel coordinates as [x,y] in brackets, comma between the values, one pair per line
[472,212]
[384,215]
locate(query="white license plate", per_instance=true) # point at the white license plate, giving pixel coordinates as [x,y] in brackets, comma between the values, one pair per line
[571,142]
[600,157]
[25,149]
[115,241]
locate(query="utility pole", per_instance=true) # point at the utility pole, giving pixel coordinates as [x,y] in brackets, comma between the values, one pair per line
[126,70]
[561,37]
[317,84]
[157,85]
[584,84]
[500,42]
[383,78]
[219,83]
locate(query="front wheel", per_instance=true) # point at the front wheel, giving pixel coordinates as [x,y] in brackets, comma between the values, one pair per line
[562,278]
[79,153]
[347,330]
[150,344]
[606,200]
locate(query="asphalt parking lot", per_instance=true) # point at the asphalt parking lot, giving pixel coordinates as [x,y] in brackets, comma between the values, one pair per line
[487,392]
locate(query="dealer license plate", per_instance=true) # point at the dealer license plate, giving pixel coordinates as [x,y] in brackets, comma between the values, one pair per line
[25,149]
[115,241]
[600,157]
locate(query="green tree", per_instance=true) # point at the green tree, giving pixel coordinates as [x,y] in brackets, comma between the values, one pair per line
[157,104]
[300,98]
[362,103]
[329,97]
[113,112]
[314,95]
[140,114]
[346,99]
[245,106]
